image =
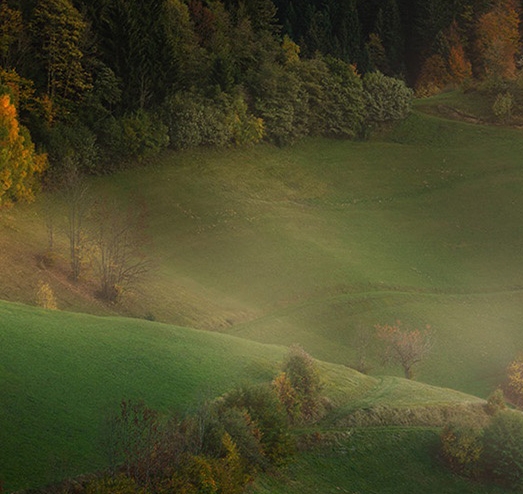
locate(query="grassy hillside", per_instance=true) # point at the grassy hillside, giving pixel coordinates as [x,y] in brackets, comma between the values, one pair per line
[373,461]
[313,243]
[63,374]
[310,244]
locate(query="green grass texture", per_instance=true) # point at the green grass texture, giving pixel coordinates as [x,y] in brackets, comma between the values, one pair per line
[62,375]
[310,244]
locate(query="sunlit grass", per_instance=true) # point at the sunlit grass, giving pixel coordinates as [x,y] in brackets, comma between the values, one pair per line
[308,245]
[63,374]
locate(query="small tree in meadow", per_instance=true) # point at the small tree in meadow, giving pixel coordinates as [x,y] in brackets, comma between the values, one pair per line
[495,402]
[502,107]
[78,200]
[119,237]
[404,347]
[299,386]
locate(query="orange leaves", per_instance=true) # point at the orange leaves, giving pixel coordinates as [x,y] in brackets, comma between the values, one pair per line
[433,77]
[460,67]
[405,347]
[498,39]
[515,380]
[19,164]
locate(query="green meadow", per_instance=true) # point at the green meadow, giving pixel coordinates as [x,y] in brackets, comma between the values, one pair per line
[256,249]
[313,243]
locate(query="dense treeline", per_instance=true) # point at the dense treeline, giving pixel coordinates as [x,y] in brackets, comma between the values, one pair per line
[100,83]
[399,36]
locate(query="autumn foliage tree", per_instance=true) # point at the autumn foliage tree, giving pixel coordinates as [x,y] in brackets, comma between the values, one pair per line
[461,448]
[514,385]
[433,77]
[299,386]
[404,347]
[497,34]
[459,65]
[20,165]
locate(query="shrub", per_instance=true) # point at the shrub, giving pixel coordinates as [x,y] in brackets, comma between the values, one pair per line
[503,445]
[278,103]
[114,485]
[386,98]
[262,405]
[301,371]
[495,402]
[194,120]
[287,396]
[331,98]
[45,296]
[317,97]
[74,144]
[133,137]
[461,448]
[502,107]
[514,385]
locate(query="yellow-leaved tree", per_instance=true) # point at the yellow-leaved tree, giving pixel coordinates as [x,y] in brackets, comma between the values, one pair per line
[20,165]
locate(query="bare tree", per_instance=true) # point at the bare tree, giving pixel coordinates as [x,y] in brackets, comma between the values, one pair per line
[405,347]
[79,201]
[119,237]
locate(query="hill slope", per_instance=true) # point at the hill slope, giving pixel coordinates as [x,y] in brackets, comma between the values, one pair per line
[62,374]
[313,243]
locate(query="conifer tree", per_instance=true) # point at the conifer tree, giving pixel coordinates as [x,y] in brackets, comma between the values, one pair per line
[57,29]
[390,30]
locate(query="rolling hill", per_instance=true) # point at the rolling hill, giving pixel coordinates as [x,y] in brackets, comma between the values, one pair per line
[265,247]
[63,374]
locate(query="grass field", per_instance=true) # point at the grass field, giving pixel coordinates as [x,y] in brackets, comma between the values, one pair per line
[373,461]
[62,375]
[309,244]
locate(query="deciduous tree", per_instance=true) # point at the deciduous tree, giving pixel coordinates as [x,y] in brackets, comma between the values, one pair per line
[459,65]
[78,201]
[497,34]
[119,237]
[302,373]
[404,347]
[20,165]
[515,380]
[503,446]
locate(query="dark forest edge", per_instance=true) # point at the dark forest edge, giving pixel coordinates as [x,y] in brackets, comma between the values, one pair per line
[99,85]
[184,74]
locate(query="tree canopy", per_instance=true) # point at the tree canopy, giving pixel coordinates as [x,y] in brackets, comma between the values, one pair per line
[131,78]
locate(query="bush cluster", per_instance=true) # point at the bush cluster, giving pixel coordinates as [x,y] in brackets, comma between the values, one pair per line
[218,449]
[494,452]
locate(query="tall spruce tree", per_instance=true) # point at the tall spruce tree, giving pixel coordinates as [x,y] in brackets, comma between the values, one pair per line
[57,28]
[389,28]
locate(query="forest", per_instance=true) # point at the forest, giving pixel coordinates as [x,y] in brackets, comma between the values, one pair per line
[97,85]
